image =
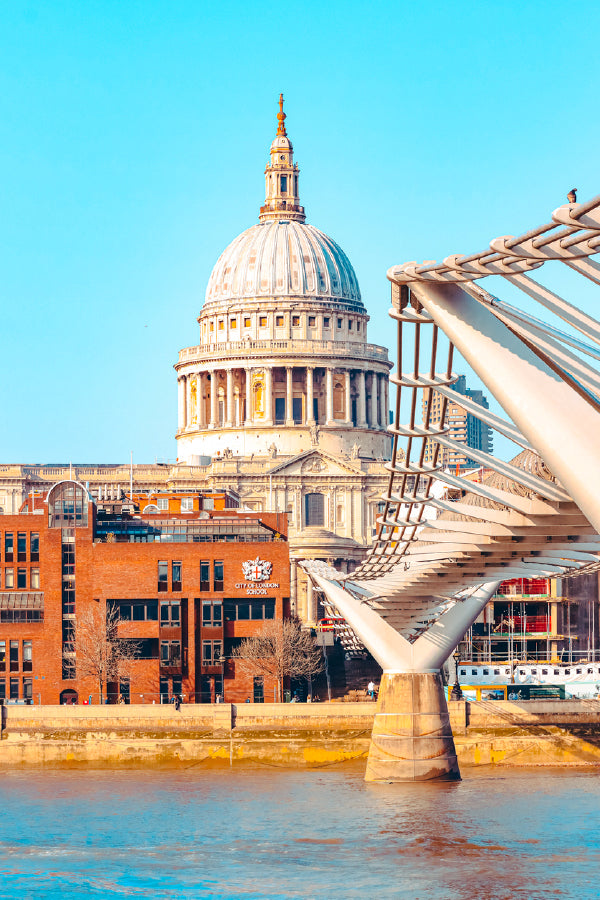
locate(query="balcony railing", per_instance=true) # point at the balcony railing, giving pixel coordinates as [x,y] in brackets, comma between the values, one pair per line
[355,349]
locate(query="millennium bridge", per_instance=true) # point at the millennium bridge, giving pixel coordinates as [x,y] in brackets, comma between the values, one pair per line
[436,561]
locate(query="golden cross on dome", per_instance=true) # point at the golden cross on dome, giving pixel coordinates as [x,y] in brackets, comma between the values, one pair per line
[281,117]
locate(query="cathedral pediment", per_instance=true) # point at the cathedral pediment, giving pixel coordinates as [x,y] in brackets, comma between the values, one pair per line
[316,462]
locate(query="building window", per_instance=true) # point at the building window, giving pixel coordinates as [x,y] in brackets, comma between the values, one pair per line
[212,613]
[339,323]
[259,689]
[170,653]
[176,576]
[22,546]
[247,322]
[211,653]
[312,321]
[27,690]
[245,610]
[162,503]
[14,688]
[135,610]
[221,325]
[34,545]
[2,689]
[295,321]
[358,326]
[2,656]
[27,657]
[9,543]
[211,327]
[218,575]
[163,575]
[233,323]
[315,510]
[339,514]
[279,321]
[283,184]
[9,578]
[350,325]
[262,321]
[68,506]
[35,579]
[21,579]
[14,656]
[326,322]
[205,575]
[187,504]
[170,614]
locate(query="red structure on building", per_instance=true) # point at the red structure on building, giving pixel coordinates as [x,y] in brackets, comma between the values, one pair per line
[187,586]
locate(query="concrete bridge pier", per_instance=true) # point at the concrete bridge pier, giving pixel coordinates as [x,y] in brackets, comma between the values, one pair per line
[412,738]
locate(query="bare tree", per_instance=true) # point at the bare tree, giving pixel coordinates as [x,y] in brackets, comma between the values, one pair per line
[100,653]
[279,650]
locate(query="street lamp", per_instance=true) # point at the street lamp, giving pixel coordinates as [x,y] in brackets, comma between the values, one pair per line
[456,692]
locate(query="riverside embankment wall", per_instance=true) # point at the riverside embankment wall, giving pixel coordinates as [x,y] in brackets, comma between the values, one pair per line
[550,732]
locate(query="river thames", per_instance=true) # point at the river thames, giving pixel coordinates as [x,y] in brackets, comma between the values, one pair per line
[270,833]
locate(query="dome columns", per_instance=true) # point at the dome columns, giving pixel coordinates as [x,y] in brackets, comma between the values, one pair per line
[235,396]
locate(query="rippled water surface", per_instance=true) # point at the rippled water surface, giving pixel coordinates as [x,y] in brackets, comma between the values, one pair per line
[284,834]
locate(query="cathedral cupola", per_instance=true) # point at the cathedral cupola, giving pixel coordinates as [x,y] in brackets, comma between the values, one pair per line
[281,178]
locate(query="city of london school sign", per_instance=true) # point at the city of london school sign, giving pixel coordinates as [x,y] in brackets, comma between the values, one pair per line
[256,574]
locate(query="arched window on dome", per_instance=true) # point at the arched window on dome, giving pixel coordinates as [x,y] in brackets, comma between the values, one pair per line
[314,510]
[339,400]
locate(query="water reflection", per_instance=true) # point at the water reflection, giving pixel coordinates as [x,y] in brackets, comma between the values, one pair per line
[240,833]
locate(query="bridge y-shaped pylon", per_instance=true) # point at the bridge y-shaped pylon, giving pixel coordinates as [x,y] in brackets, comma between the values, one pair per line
[436,561]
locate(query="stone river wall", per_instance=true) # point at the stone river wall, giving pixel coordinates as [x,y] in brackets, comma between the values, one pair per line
[549,732]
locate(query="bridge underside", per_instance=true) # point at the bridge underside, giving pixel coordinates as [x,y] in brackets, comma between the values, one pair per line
[444,542]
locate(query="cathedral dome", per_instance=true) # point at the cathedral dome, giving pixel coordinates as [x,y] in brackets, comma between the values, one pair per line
[281,258]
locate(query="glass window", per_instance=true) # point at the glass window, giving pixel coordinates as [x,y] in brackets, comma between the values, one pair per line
[326,322]
[35,579]
[243,610]
[68,505]
[279,321]
[315,510]
[14,656]
[163,575]
[139,612]
[221,325]
[256,609]
[9,544]
[295,321]
[170,653]
[233,323]
[125,612]
[247,322]
[312,321]
[162,503]
[283,184]
[217,613]
[206,612]
[349,324]
[206,651]
[205,575]
[27,689]
[2,689]
[187,504]
[218,575]
[2,656]
[176,575]
[22,546]
[14,688]
[269,609]
[262,321]
[339,323]
[27,657]
[22,578]
[9,578]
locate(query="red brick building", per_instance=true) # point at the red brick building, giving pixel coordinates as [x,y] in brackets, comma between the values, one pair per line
[188,586]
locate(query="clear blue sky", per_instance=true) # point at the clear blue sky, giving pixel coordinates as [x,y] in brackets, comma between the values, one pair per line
[132,147]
